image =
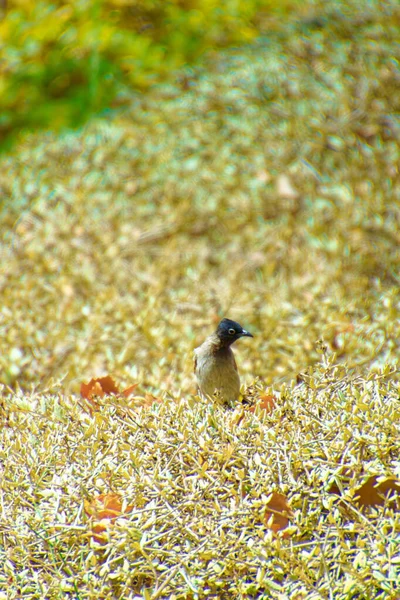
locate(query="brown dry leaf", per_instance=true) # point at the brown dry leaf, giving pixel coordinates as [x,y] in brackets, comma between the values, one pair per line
[129,391]
[99,387]
[105,506]
[266,403]
[105,386]
[277,513]
[372,493]
[103,510]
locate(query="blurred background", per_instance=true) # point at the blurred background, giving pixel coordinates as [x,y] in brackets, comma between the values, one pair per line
[60,62]
[166,164]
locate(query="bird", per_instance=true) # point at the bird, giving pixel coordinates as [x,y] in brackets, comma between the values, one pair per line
[214,362]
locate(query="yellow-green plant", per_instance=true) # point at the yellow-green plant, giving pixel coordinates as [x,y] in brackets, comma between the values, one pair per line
[62,61]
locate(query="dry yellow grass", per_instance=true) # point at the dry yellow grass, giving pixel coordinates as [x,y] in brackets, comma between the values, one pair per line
[199,483]
[264,187]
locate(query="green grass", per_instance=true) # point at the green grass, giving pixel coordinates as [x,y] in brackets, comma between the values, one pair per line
[63,62]
[262,186]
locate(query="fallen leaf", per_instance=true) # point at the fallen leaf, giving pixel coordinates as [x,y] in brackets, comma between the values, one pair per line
[266,403]
[103,510]
[278,512]
[372,493]
[99,387]
[129,390]
[106,506]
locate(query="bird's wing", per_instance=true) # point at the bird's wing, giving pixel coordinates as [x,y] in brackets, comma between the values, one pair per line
[195,360]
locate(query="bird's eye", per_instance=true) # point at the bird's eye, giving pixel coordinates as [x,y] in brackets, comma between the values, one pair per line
[231,331]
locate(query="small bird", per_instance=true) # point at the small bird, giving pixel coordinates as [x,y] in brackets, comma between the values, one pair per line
[215,365]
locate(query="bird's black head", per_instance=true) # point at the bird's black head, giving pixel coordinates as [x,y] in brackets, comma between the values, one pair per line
[229,331]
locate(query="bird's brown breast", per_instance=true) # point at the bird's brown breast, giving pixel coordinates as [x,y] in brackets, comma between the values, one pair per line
[216,371]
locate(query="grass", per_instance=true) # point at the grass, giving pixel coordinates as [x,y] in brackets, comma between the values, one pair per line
[263,186]
[199,480]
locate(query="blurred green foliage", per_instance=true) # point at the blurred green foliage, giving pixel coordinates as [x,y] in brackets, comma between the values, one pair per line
[61,61]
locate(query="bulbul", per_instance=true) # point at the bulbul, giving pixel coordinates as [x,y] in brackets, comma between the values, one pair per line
[215,365]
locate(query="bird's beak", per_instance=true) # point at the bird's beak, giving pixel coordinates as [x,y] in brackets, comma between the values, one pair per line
[246,333]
